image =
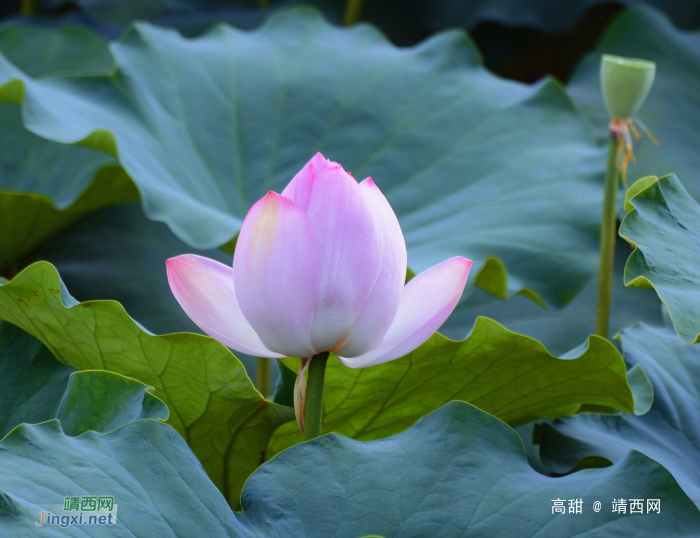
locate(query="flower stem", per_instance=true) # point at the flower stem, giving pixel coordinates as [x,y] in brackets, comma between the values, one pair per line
[608,231]
[28,7]
[353,8]
[313,415]
[262,376]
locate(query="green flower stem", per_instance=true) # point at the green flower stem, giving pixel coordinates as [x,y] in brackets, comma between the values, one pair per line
[313,416]
[608,231]
[262,376]
[28,7]
[353,8]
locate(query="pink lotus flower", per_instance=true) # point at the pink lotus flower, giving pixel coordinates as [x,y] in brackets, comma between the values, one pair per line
[320,267]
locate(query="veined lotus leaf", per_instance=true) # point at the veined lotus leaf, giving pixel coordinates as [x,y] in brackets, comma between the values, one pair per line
[507,174]
[669,433]
[212,403]
[457,472]
[35,387]
[664,228]
[503,373]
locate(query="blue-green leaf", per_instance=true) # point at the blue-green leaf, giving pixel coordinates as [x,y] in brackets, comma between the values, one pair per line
[669,433]
[664,228]
[458,472]
[212,402]
[563,330]
[507,174]
[158,486]
[503,373]
[35,387]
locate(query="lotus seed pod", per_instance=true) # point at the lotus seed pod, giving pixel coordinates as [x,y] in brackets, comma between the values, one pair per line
[626,83]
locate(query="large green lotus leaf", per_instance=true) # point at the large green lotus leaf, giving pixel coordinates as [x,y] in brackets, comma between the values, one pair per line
[284,395]
[117,253]
[45,186]
[90,257]
[43,52]
[672,109]
[664,226]
[503,373]
[212,403]
[669,433]
[35,387]
[31,164]
[561,331]
[32,381]
[472,164]
[458,472]
[159,487]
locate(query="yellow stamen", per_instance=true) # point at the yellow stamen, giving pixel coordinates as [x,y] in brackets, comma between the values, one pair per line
[646,131]
[637,134]
[623,129]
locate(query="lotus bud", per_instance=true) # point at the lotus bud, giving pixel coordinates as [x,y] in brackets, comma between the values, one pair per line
[319,269]
[300,388]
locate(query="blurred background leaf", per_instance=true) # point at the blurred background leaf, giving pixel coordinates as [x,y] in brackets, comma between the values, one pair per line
[42,53]
[119,254]
[505,171]
[563,330]
[44,185]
